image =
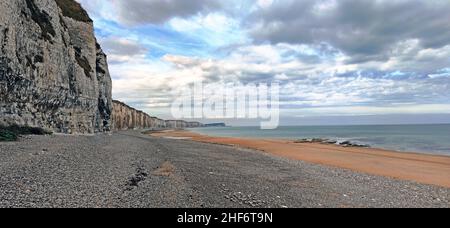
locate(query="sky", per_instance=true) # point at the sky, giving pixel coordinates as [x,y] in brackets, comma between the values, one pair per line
[337,61]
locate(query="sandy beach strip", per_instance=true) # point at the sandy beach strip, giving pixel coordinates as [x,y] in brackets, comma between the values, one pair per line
[421,168]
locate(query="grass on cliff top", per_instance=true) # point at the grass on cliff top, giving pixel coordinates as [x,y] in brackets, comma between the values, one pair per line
[12,133]
[73,9]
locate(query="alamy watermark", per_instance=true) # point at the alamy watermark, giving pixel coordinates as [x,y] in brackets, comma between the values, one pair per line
[230,101]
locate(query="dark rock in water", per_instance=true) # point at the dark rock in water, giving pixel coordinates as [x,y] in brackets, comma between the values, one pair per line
[361,145]
[345,143]
[215,125]
[330,142]
[350,144]
[316,140]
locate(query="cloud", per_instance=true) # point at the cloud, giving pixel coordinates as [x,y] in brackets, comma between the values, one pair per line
[331,57]
[98,8]
[139,12]
[214,29]
[304,87]
[264,3]
[122,50]
[365,30]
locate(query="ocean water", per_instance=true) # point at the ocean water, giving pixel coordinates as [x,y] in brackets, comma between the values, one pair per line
[430,139]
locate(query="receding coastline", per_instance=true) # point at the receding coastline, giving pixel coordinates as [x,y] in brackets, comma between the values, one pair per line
[421,168]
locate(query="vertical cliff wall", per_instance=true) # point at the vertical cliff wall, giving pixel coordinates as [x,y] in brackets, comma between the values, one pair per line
[53,74]
[125,117]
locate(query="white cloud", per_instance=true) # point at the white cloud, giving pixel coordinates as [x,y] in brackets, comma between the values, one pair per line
[99,8]
[305,89]
[265,3]
[352,65]
[215,29]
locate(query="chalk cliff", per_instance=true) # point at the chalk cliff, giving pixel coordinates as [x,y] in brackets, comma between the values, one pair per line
[125,117]
[53,73]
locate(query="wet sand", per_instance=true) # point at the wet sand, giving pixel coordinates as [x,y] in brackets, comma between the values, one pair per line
[421,168]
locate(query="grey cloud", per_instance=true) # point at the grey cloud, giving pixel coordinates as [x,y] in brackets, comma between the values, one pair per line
[256,77]
[121,50]
[136,12]
[119,46]
[362,29]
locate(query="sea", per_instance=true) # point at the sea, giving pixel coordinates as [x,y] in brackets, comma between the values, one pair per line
[429,139]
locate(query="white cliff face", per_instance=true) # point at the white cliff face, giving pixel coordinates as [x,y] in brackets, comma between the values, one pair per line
[53,74]
[125,118]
